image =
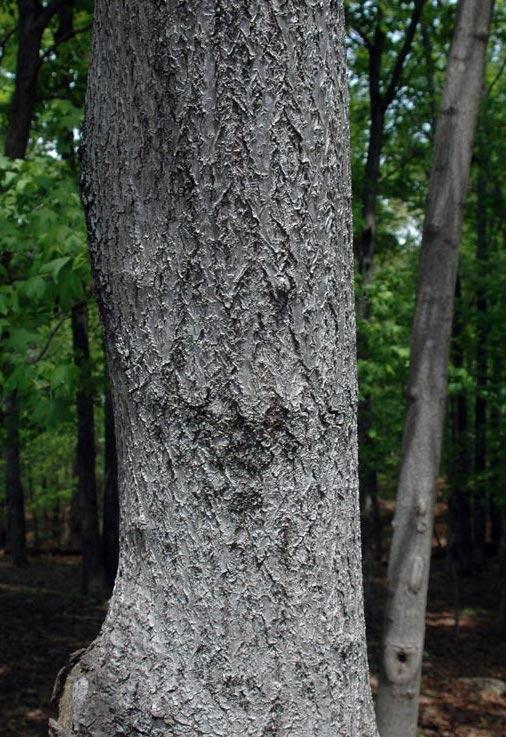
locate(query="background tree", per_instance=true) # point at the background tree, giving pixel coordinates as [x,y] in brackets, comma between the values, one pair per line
[238,604]
[378,31]
[409,561]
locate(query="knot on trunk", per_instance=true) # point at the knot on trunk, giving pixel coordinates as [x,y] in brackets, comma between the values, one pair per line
[401,662]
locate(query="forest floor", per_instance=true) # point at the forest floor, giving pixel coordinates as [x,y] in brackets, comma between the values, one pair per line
[43,618]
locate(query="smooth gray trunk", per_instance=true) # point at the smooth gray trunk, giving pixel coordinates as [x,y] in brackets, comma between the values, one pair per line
[408,571]
[217,187]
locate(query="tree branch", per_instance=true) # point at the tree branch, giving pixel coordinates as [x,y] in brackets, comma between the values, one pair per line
[64,37]
[363,36]
[5,40]
[395,78]
[49,10]
[46,345]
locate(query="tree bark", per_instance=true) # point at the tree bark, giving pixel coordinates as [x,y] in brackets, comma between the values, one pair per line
[85,452]
[110,531]
[408,571]
[217,187]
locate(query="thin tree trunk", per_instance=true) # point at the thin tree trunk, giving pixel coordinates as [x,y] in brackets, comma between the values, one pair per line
[502,577]
[35,516]
[33,18]
[110,532]
[75,516]
[85,451]
[480,502]
[368,481]
[408,571]
[216,181]
[15,504]
[496,455]
[459,503]
[379,101]
[16,142]
[496,527]
[30,31]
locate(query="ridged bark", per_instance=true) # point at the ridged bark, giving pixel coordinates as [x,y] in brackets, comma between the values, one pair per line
[110,530]
[217,186]
[409,562]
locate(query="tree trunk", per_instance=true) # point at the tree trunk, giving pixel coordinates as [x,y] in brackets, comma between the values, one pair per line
[14,499]
[368,482]
[32,20]
[110,531]
[379,102]
[408,571]
[480,412]
[30,31]
[75,516]
[35,515]
[216,181]
[496,454]
[459,503]
[502,577]
[85,451]
[16,142]
[496,527]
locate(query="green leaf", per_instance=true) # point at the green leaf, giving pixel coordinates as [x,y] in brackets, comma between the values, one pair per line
[54,267]
[35,287]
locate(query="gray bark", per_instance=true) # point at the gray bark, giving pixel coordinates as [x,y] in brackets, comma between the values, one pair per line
[110,529]
[408,571]
[216,180]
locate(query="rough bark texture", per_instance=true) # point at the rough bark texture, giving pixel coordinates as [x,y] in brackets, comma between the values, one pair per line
[216,179]
[408,572]
[110,530]
[85,451]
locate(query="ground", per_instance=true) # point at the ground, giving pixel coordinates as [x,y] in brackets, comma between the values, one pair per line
[43,618]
